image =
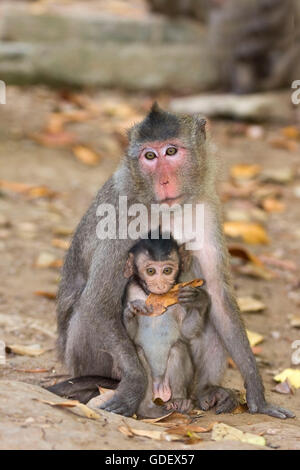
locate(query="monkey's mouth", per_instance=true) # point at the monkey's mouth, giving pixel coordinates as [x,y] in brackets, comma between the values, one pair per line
[172,200]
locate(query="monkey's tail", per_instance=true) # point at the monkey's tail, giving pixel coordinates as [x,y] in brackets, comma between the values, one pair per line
[82,388]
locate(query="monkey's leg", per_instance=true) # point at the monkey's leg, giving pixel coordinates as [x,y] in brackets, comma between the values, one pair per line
[210,363]
[225,315]
[179,374]
[83,357]
[147,408]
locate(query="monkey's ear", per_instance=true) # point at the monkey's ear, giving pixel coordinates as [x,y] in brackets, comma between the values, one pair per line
[128,271]
[199,127]
[185,259]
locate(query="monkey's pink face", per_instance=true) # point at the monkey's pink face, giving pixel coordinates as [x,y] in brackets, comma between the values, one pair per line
[163,162]
[159,276]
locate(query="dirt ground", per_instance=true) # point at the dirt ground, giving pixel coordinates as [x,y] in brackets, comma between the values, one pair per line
[29,224]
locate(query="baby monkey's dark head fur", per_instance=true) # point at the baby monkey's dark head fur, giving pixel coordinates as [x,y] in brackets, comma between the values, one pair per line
[155,264]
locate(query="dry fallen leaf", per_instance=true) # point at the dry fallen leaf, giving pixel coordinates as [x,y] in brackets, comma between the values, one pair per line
[88,412]
[293,375]
[250,269]
[273,205]
[291,132]
[285,144]
[250,304]
[86,155]
[281,175]
[33,350]
[47,260]
[222,431]
[160,303]
[59,139]
[59,243]
[156,435]
[33,371]
[254,338]
[295,321]
[239,251]
[46,294]
[32,192]
[250,232]
[284,388]
[244,171]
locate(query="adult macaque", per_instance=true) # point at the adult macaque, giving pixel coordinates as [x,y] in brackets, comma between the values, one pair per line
[168,345]
[167,161]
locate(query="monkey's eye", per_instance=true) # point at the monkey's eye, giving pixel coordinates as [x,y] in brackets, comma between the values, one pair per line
[151,271]
[167,271]
[150,155]
[171,151]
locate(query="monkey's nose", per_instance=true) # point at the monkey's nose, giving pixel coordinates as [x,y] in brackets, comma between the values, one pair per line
[164,182]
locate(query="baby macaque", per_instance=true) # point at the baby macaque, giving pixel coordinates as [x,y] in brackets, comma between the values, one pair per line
[168,345]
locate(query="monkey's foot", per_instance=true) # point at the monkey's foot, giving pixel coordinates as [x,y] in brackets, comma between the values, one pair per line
[182,405]
[271,410]
[223,399]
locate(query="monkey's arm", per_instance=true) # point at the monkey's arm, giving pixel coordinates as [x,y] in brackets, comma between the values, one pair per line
[225,315]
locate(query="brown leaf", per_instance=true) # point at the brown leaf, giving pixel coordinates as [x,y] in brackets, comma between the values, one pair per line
[244,171]
[21,350]
[47,260]
[250,304]
[59,243]
[252,270]
[86,155]
[57,120]
[32,371]
[285,144]
[160,303]
[240,252]
[32,192]
[273,205]
[291,132]
[88,412]
[250,232]
[47,295]
[59,139]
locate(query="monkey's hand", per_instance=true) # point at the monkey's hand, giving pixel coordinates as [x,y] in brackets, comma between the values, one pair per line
[138,307]
[263,407]
[193,297]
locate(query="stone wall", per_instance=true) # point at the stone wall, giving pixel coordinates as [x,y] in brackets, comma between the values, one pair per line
[94,49]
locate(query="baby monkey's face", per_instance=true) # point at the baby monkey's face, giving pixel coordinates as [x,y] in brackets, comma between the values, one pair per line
[158,276]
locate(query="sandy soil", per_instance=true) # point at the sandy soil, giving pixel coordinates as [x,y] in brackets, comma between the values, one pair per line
[28,227]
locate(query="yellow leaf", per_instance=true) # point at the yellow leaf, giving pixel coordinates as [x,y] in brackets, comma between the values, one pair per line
[293,375]
[88,413]
[273,205]
[244,171]
[59,243]
[223,432]
[250,304]
[250,232]
[33,350]
[291,132]
[254,338]
[86,155]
